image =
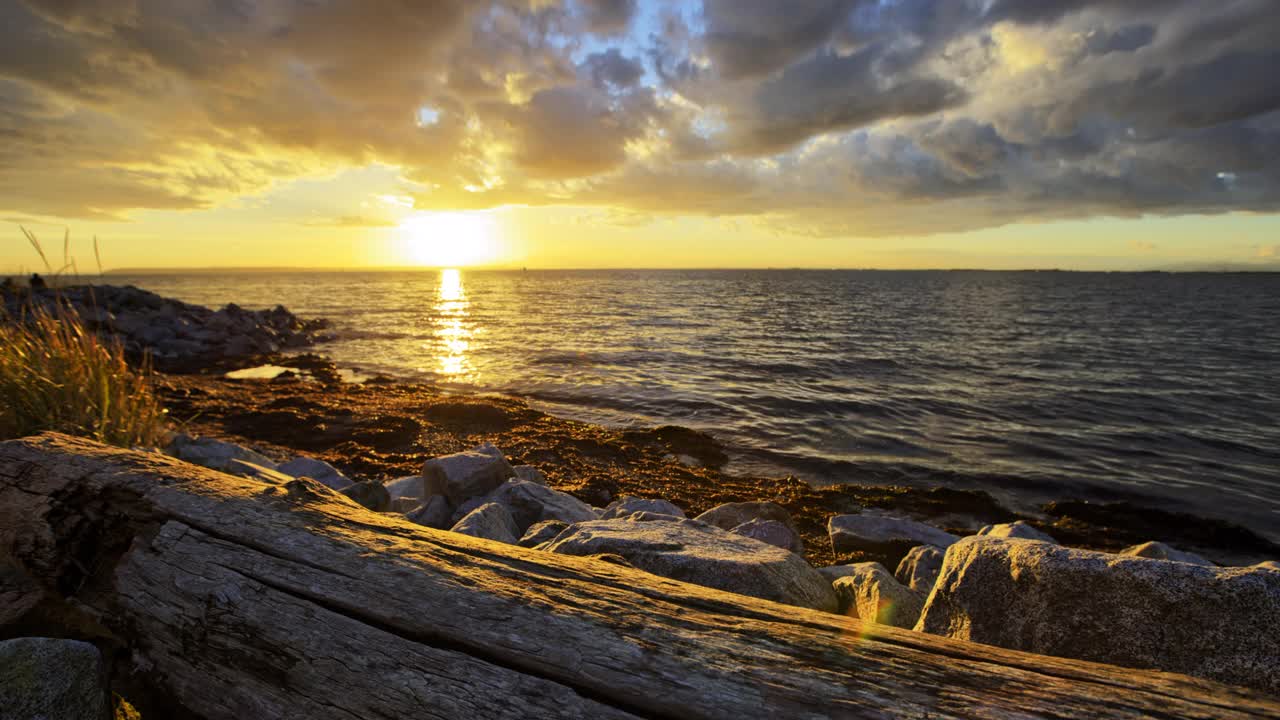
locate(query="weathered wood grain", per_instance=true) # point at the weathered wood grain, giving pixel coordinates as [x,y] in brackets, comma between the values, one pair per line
[248,600]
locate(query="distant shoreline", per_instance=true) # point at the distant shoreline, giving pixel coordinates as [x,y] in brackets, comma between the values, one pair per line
[1223,270]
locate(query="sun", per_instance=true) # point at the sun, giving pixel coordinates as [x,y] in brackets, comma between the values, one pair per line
[449,239]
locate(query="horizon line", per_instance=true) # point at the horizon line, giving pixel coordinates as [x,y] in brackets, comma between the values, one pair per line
[1190,267]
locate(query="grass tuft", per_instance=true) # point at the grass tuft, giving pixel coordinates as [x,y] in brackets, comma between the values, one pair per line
[57,375]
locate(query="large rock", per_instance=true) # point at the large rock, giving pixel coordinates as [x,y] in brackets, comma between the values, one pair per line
[531,503]
[627,504]
[433,513]
[372,495]
[318,470]
[1019,529]
[50,679]
[730,515]
[772,532]
[467,474]
[854,533]
[872,594]
[490,521]
[1215,623]
[412,486]
[215,454]
[702,554]
[542,532]
[920,567]
[1160,551]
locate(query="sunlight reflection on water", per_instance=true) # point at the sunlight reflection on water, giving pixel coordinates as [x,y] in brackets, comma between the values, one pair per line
[453,331]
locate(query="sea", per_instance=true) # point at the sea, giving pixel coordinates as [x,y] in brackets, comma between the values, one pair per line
[1158,388]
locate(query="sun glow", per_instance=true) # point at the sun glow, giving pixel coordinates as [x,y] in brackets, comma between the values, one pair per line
[450,239]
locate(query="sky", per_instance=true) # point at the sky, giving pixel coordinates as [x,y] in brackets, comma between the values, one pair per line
[1079,134]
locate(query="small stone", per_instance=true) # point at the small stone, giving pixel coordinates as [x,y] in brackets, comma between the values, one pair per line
[434,513]
[772,532]
[214,454]
[730,515]
[490,521]
[542,532]
[870,593]
[919,569]
[467,474]
[627,504]
[316,470]
[1160,551]
[1019,529]
[51,679]
[852,533]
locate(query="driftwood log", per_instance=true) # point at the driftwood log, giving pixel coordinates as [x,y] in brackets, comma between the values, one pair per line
[237,599]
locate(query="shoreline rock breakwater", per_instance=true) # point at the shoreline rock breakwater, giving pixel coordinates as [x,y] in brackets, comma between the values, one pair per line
[1010,585]
[178,336]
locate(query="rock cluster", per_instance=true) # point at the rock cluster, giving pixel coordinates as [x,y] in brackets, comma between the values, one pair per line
[175,333]
[1152,606]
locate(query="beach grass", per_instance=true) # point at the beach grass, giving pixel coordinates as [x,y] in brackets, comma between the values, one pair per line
[55,374]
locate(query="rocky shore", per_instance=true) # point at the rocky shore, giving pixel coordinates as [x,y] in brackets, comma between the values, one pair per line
[1113,583]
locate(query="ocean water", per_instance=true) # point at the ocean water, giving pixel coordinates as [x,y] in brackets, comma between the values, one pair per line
[1032,385]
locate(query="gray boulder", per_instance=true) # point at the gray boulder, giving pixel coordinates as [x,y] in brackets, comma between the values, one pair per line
[465,507]
[919,568]
[1215,623]
[702,554]
[434,513]
[215,454]
[258,472]
[730,515]
[835,572]
[404,505]
[467,474]
[372,495]
[50,679]
[542,532]
[490,521]
[531,503]
[412,486]
[318,470]
[870,593]
[530,473]
[627,504]
[1160,551]
[1017,529]
[772,532]
[853,533]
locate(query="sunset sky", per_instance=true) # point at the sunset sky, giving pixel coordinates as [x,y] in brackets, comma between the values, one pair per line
[1085,134]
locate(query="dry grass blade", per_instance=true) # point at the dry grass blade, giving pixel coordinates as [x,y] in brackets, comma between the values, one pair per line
[56,375]
[31,237]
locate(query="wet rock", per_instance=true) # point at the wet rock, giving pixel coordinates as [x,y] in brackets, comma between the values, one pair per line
[870,593]
[542,532]
[730,515]
[531,503]
[433,513]
[51,679]
[920,568]
[1019,529]
[864,532]
[1160,551]
[467,474]
[627,504]
[490,521]
[318,470]
[411,486]
[1215,623]
[529,473]
[772,532]
[702,554]
[215,454]
[371,495]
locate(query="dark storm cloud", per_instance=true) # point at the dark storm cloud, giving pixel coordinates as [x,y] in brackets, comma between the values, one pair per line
[839,116]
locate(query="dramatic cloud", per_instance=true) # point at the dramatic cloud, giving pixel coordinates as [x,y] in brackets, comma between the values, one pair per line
[841,117]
